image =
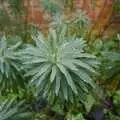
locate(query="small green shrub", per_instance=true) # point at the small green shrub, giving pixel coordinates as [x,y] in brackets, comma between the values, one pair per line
[59,66]
[10,72]
[10,111]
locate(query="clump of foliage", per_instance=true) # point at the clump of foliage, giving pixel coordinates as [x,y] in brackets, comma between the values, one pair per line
[116,97]
[59,66]
[76,22]
[116,6]
[11,111]
[51,7]
[10,71]
[107,51]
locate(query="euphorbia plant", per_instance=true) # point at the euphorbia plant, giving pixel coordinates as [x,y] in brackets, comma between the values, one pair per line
[10,73]
[59,67]
[11,111]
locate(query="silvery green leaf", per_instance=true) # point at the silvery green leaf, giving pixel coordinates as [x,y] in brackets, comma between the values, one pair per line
[68,78]
[53,73]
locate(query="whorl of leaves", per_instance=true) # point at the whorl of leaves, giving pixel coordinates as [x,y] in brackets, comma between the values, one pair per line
[11,111]
[59,66]
[10,72]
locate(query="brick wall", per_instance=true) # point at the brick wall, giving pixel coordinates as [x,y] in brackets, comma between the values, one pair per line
[99,14]
[36,14]
[93,12]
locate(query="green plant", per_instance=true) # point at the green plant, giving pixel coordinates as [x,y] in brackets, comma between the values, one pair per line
[77,117]
[11,111]
[10,72]
[116,97]
[113,59]
[76,22]
[111,116]
[57,6]
[116,6]
[59,66]
[51,7]
[107,50]
[16,6]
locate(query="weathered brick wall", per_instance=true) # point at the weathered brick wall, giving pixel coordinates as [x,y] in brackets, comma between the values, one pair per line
[86,6]
[93,11]
[36,14]
[99,14]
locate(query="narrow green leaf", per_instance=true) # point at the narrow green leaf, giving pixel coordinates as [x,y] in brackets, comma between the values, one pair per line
[58,78]
[43,77]
[64,88]
[68,63]
[68,78]
[53,73]
[84,76]
[39,60]
[43,69]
